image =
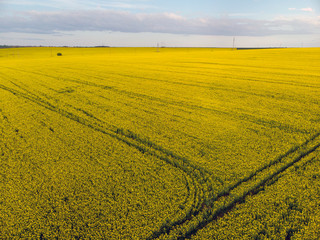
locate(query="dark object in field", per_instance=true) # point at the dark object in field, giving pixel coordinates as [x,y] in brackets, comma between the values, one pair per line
[59,54]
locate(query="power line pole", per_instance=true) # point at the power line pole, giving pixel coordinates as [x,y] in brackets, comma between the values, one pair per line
[234,41]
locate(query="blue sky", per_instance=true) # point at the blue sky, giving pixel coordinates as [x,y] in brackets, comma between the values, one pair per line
[201,23]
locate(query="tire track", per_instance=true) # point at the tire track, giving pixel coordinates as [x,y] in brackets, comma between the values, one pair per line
[113,128]
[300,153]
[191,185]
[233,115]
[197,176]
[253,191]
[216,207]
[201,206]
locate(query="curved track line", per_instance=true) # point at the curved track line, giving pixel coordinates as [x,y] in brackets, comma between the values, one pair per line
[197,178]
[253,191]
[233,115]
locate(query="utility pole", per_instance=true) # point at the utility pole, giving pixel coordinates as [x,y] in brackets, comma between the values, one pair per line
[234,41]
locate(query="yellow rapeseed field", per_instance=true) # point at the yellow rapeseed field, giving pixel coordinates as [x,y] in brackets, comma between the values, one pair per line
[135,143]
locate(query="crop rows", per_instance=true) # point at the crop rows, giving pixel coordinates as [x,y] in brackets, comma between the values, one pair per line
[228,130]
[206,209]
[196,177]
[254,184]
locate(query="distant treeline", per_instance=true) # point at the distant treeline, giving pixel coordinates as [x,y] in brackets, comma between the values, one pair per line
[7,46]
[259,48]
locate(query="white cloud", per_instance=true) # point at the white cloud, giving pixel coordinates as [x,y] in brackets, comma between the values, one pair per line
[123,21]
[306,9]
[302,9]
[78,4]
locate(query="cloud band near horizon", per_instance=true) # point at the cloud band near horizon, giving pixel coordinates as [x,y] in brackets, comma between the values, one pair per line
[120,21]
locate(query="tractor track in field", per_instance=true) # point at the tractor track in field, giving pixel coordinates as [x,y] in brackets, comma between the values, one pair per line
[223,112]
[296,155]
[143,145]
[256,184]
[211,210]
[234,115]
[196,177]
